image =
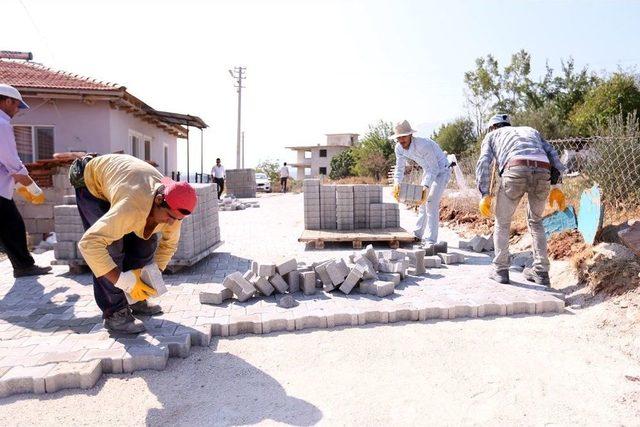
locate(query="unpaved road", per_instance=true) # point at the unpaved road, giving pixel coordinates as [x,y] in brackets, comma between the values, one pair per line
[524,370]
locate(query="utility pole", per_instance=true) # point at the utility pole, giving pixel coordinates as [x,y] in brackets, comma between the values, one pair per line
[242,149]
[238,73]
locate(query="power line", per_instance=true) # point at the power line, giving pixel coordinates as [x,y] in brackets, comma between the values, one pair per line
[43,40]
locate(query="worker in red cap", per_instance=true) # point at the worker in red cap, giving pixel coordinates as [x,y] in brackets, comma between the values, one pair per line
[131,215]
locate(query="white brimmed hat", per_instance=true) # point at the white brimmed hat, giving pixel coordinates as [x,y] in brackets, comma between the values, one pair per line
[402,128]
[498,118]
[12,92]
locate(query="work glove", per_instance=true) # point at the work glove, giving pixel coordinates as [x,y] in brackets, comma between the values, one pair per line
[151,274]
[425,194]
[31,193]
[131,283]
[485,206]
[556,196]
[396,192]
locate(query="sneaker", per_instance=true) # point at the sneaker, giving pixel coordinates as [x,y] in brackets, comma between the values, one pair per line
[539,277]
[123,321]
[34,270]
[501,276]
[143,308]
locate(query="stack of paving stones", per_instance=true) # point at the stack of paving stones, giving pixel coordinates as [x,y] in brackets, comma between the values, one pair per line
[344,207]
[240,183]
[328,218]
[477,244]
[199,231]
[39,219]
[347,207]
[230,203]
[410,194]
[367,271]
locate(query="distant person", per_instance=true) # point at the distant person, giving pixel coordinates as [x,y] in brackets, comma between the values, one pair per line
[219,175]
[526,164]
[436,173]
[13,174]
[284,176]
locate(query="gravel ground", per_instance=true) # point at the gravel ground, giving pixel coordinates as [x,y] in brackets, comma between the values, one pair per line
[560,369]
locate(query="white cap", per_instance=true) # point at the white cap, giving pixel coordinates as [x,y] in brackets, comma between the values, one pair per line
[12,92]
[498,118]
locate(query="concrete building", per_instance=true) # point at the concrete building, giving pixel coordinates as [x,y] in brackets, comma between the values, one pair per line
[73,113]
[315,160]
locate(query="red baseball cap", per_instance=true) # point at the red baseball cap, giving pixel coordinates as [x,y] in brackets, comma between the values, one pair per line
[180,196]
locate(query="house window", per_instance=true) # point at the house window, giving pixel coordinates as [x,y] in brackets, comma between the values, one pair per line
[34,142]
[165,160]
[322,171]
[307,154]
[323,153]
[135,149]
[147,149]
[307,171]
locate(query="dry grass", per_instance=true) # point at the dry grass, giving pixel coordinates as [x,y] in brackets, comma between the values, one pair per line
[355,180]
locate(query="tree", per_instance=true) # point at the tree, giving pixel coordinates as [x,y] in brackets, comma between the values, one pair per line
[342,164]
[456,137]
[271,168]
[375,154]
[618,95]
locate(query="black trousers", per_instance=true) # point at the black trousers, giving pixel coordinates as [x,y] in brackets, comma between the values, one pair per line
[283,184]
[128,253]
[13,235]
[220,183]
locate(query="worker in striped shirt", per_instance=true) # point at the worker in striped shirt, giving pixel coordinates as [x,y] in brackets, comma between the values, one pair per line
[527,164]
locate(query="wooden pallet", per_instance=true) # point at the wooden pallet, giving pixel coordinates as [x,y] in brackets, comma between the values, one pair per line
[78,266]
[394,236]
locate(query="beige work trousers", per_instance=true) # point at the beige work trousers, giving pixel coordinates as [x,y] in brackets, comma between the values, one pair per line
[514,183]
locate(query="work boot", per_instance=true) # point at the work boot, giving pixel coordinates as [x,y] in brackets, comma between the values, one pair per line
[143,308]
[34,270]
[501,276]
[539,277]
[441,247]
[123,321]
[429,248]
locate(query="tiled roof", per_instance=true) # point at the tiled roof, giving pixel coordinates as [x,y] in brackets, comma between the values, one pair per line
[31,75]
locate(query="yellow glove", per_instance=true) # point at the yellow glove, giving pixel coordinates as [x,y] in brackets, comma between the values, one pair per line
[425,194]
[141,291]
[485,206]
[396,192]
[556,196]
[31,193]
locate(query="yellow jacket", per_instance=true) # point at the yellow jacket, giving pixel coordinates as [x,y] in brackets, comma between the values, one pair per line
[129,185]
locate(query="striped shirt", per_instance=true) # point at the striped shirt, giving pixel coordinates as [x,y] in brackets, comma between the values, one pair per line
[510,142]
[427,154]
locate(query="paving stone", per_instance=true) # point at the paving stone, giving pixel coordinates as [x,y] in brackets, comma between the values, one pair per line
[66,375]
[321,271]
[240,287]
[141,357]
[433,261]
[266,270]
[390,277]
[178,345]
[337,271]
[262,284]
[308,282]
[111,359]
[200,334]
[248,275]
[310,319]
[248,324]
[293,281]
[22,379]
[278,283]
[381,288]
[215,294]
[351,281]
[287,266]
[277,322]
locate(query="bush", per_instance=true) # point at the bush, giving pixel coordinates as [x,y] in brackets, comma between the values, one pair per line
[271,168]
[342,165]
[374,156]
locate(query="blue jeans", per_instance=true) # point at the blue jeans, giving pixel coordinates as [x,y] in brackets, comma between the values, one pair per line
[429,213]
[128,253]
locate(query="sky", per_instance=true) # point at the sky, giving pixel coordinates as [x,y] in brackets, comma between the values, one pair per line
[313,67]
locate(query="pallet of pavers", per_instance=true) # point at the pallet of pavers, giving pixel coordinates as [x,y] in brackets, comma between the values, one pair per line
[393,236]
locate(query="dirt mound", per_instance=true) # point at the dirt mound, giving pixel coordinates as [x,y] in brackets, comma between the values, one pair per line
[608,268]
[566,244]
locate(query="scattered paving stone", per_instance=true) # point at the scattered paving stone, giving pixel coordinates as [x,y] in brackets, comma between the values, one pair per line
[215,294]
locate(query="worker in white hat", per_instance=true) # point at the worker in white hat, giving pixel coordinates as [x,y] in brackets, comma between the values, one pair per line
[435,177]
[13,175]
[526,164]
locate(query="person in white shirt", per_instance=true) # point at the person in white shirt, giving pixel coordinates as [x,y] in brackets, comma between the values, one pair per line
[284,176]
[219,175]
[436,173]
[13,174]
